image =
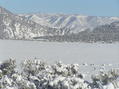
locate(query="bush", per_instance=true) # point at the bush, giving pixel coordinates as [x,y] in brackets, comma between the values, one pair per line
[36,74]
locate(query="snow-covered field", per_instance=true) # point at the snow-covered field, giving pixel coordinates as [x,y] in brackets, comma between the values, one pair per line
[85,54]
[50,52]
[90,57]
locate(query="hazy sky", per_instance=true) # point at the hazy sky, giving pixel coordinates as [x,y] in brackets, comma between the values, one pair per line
[85,7]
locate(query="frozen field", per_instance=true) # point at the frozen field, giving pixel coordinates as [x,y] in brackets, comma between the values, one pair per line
[96,53]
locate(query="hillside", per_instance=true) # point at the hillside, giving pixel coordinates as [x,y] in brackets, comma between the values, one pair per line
[58,27]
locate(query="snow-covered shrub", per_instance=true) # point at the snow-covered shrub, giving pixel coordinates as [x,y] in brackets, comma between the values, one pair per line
[61,82]
[65,70]
[8,67]
[40,75]
[106,78]
[56,76]
[12,79]
[32,67]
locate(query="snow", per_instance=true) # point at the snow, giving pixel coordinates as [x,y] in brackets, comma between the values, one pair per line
[91,53]
[38,20]
[76,22]
[109,86]
[83,60]
[61,76]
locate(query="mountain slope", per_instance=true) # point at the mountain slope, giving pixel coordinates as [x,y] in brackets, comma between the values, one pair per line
[103,33]
[13,26]
[58,27]
[76,23]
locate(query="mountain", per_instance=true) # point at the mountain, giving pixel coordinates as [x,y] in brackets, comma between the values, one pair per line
[13,26]
[58,27]
[76,23]
[104,33]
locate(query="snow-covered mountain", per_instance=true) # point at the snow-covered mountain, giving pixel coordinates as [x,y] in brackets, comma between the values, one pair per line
[54,26]
[76,23]
[80,28]
[13,26]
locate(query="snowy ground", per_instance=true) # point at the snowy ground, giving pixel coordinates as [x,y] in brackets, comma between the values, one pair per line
[91,58]
[96,53]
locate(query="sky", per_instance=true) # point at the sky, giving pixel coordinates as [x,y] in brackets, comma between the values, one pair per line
[83,7]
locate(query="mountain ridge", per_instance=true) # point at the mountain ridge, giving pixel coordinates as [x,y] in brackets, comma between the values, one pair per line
[54,26]
[13,26]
